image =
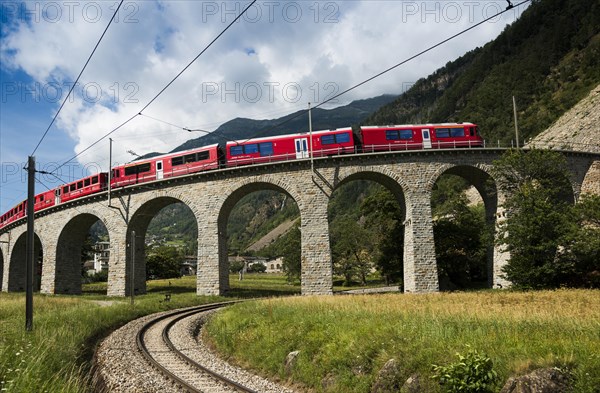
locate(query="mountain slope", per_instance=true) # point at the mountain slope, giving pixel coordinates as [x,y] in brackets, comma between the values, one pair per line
[549,59]
[578,127]
[241,128]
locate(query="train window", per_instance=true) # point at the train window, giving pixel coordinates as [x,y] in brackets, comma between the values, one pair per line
[203,155]
[95,180]
[177,161]
[236,150]
[115,173]
[72,187]
[79,184]
[134,170]
[471,131]
[342,138]
[87,182]
[266,149]
[65,189]
[442,133]
[405,134]
[391,135]
[457,132]
[189,158]
[251,148]
[327,140]
[41,198]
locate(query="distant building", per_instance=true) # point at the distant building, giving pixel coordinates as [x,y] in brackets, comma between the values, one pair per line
[275,265]
[189,266]
[101,252]
[272,266]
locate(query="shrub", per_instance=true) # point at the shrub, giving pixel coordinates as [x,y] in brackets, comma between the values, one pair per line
[472,373]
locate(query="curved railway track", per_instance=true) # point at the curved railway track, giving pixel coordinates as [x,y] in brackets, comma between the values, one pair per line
[154,342]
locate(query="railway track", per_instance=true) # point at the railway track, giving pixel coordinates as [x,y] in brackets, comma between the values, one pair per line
[154,342]
[164,353]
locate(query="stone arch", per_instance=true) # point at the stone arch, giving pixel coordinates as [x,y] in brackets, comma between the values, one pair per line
[386,178]
[591,181]
[69,247]
[389,180]
[479,177]
[139,222]
[17,269]
[239,191]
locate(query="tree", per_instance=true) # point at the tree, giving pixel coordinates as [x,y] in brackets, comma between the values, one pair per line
[459,245]
[538,217]
[257,268]
[582,242]
[163,262]
[352,246]
[383,217]
[292,264]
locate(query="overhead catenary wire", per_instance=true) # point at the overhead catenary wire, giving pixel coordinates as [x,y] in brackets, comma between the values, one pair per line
[77,80]
[164,88]
[304,112]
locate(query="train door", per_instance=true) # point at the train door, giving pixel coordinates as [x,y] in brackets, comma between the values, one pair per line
[57,196]
[159,169]
[426,138]
[301,145]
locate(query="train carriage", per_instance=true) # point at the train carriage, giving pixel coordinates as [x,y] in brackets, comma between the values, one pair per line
[289,147]
[423,136]
[41,201]
[166,165]
[80,188]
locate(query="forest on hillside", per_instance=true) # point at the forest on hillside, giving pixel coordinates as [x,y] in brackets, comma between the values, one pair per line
[549,59]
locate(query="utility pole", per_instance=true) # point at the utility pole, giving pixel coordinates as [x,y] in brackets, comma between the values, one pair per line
[132,243]
[109,167]
[516,125]
[312,165]
[30,255]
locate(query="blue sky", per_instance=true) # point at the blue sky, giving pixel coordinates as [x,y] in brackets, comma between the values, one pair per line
[275,60]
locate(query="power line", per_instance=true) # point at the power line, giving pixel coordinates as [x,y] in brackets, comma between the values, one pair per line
[164,88]
[305,111]
[76,80]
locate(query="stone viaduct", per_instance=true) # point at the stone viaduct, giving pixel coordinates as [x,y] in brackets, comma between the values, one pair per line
[410,176]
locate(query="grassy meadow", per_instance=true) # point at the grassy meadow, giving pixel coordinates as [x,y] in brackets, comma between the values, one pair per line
[56,356]
[345,340]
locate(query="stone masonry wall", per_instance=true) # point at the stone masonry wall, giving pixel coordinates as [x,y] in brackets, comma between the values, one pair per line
[410,176]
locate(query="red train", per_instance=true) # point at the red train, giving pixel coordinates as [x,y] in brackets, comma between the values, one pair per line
[261,150]
[290,147]
[424,136]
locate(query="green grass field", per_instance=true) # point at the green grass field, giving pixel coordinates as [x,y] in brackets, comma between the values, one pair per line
[343,338]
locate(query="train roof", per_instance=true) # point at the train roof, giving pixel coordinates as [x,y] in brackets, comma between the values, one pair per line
[173,154]
[422,125]
[285,136]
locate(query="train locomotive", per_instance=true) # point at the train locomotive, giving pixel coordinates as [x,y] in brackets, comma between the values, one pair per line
[367,139]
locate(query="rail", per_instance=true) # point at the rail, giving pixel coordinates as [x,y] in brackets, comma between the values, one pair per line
[177,316]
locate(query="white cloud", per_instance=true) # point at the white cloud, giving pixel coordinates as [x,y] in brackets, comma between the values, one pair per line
[282,56]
